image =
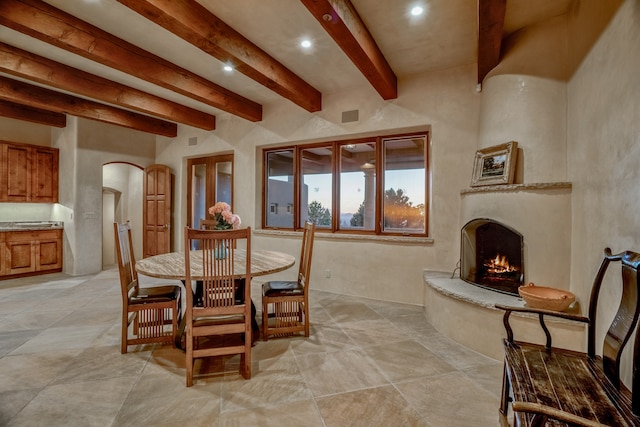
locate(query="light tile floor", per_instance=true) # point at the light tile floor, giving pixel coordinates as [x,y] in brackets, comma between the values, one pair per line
[366,363]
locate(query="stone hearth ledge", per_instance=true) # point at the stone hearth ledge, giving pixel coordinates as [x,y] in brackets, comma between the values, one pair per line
[467,314]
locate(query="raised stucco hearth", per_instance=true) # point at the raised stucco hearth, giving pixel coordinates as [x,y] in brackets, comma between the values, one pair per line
[467,314]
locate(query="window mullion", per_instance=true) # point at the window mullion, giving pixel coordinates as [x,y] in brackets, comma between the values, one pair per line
[335,181]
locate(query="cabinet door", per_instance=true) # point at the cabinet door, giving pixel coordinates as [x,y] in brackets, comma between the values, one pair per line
[20,257]
[45,175]
[3,256]
[17,172]
[49,254]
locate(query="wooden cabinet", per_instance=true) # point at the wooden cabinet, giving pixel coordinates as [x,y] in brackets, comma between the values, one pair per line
[35,251]
[3,255]
[44,184]
[28,173]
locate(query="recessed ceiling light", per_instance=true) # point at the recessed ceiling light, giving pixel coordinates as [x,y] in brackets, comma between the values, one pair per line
[228,68]
[305,43]
[417,11]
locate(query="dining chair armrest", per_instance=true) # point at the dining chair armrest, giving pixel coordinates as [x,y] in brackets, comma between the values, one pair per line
[541,314]
[543,412]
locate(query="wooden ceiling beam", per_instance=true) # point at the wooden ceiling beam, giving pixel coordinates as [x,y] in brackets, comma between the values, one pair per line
[46,23]
[32,115]
[343,23]
[20,63]
[47,99]
[195,24]
[491,15]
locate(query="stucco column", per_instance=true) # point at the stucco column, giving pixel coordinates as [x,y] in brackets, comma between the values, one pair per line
[369,218]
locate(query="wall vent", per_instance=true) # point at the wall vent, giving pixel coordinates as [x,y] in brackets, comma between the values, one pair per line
[350,116]
[193,140]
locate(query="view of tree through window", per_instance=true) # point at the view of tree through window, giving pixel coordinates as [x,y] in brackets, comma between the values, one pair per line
[318,185]
[404,184]
[370,185]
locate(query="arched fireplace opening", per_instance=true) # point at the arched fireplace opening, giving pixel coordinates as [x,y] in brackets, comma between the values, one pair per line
[492,256]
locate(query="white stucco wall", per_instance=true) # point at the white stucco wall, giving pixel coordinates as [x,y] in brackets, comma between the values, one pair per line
[446,101]
[603,152]
[85,146]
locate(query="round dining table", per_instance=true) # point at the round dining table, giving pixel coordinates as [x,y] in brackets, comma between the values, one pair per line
[171,265]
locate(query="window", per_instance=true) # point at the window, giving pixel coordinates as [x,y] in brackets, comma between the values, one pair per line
[372,185]
[278,166]
[317,185]
[358,186]
[404,184]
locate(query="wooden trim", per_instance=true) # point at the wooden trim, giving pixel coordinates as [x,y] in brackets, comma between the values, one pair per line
[20,63]
[38,97]
[50,25]
[491,15]
[341,21]
[17,111]
[198,26]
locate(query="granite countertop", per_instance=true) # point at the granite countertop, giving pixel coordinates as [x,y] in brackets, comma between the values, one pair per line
[30,225]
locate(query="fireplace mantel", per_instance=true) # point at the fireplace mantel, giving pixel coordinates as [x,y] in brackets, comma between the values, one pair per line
[517,187]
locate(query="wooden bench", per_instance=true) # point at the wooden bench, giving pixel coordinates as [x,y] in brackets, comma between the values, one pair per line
[553,386]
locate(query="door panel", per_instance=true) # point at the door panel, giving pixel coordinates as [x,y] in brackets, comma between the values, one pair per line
[45,175]
[18,174]
[157,210]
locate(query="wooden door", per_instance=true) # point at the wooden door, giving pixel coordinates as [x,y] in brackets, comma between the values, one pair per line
[157,210]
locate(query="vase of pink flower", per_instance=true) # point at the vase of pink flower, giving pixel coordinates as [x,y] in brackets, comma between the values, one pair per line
[225,220]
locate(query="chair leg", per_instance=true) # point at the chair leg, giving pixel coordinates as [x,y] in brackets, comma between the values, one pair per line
[506,390]
[174,323]
[189,359]
[124,332]
[306,319]
[265,320]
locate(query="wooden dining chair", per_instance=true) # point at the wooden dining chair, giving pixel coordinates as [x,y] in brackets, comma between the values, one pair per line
[221,324]
[285,304]
[207,224]
[146,310]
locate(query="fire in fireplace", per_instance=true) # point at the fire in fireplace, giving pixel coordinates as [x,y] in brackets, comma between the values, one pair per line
[492,256]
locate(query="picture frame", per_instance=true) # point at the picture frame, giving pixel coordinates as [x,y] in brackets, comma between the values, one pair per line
[495,165]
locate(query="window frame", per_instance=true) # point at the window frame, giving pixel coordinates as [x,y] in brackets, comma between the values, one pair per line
[335,207]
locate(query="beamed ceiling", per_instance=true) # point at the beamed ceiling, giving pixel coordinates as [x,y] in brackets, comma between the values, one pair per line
[152,64]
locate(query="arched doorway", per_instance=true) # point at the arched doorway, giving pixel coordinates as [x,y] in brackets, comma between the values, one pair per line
[122,187]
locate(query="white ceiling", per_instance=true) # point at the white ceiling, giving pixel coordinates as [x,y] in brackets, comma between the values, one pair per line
[445,36]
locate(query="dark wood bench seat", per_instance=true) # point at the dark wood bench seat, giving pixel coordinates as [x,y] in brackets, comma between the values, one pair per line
[557,387]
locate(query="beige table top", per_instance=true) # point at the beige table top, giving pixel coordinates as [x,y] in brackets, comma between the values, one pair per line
[171,265]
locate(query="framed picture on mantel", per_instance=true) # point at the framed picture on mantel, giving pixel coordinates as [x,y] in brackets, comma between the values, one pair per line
[495,165]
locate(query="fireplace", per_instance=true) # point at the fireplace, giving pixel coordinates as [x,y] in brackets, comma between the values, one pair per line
[492,256]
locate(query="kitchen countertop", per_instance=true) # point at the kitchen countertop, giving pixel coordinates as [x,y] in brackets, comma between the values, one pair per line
[30,225]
